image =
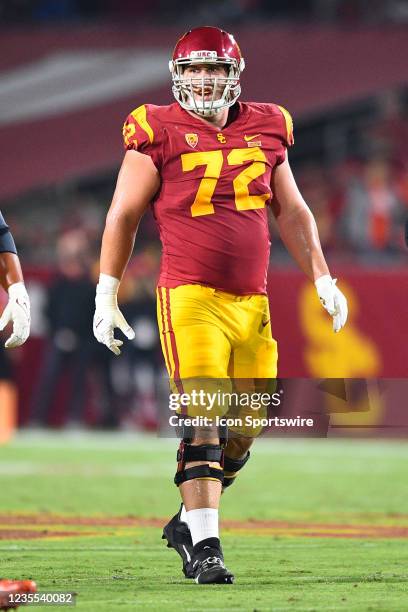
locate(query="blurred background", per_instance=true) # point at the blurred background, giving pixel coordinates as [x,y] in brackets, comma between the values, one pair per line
[71,71]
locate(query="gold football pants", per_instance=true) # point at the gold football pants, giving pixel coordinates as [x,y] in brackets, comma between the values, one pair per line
[205,332]
[220,339]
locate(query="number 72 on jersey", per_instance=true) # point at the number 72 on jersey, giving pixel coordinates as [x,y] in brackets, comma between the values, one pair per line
[213,162]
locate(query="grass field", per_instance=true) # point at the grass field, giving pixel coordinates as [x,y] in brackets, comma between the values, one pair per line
[310,525]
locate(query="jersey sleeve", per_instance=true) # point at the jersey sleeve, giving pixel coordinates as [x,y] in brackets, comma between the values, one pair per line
[141,133]
[287,132]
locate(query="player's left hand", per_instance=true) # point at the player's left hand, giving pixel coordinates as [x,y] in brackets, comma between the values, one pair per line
[332,300]
[17,311]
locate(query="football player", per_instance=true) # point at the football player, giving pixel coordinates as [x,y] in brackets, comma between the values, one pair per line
[17,310]
[209,165]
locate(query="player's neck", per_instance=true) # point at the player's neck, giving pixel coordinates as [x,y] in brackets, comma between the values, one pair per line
[218,120]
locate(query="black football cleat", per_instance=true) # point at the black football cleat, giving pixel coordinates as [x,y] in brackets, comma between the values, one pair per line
[208,566]
[178,536]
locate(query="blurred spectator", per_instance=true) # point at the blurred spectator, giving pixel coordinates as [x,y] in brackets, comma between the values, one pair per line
[69,313]
[372,209]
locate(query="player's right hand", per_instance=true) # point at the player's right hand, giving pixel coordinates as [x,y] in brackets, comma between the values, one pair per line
[108,317]
[333,300]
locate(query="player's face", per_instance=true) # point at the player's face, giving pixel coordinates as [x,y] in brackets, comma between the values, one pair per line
[204,77]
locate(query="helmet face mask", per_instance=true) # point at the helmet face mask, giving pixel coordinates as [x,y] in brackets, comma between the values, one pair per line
[206,95]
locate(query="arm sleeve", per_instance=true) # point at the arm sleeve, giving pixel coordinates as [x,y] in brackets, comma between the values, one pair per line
[141,134]
[7,244]
[287,133]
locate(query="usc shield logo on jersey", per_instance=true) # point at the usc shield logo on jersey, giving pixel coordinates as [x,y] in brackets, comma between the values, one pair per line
[192,140]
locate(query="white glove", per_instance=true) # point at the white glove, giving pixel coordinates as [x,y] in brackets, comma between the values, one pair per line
[17,311]
[332,300]
[108,316]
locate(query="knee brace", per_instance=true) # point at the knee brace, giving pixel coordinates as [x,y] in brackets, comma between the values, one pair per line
[232,467]
[203,452]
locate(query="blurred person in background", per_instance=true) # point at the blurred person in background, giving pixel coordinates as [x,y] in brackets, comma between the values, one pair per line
[373,212]
[69,314]
[210,165]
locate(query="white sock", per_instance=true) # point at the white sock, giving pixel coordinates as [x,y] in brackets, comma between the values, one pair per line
[183,515]
[203,524]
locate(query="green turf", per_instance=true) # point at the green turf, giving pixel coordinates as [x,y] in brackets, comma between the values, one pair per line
[129,568]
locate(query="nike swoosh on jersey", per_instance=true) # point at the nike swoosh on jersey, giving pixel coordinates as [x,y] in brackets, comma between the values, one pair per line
[247,138]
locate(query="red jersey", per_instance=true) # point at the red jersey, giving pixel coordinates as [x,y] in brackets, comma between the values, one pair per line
[215,185]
